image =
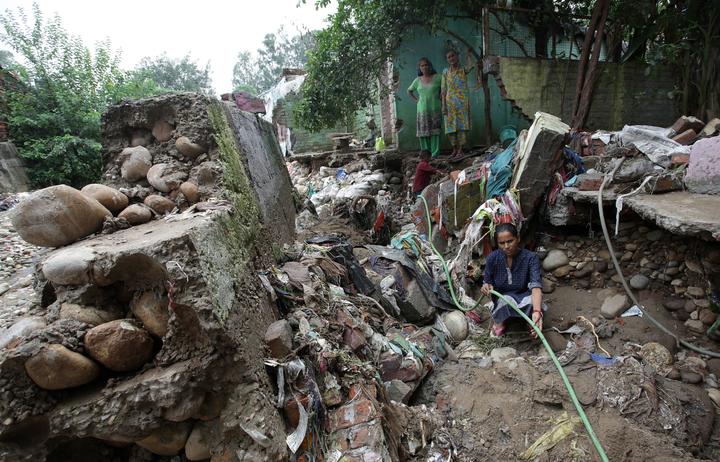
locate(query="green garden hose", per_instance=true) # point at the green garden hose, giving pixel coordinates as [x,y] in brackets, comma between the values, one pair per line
[511,303]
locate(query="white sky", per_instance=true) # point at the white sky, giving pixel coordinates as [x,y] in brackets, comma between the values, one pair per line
[210,30]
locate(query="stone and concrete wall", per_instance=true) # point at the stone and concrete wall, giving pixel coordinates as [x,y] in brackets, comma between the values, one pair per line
[147,340]
[629,93]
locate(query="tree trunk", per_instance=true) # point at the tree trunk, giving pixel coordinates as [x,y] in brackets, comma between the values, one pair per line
[585,54]
[484,79]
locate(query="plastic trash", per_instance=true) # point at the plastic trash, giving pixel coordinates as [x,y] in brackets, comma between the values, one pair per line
[632,311]
[341,174]
[564,427]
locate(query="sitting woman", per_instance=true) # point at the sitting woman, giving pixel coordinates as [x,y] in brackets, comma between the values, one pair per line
[515,273]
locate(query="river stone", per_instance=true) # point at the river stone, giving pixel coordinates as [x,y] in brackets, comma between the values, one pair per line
[503,353]
[605,293]
[20,329]
[160,204]
[140,137]
[696,326]
[187,148]
[57,216]
[674,304]
[55,367]
[162,130]
[639,281]
[654,235]
[136,214]
[555,259]
[71,266]
[167,440]
[707,317]
[190,191]
[556,340]
[614,306]
[197,446]
[138,162]
[656,355]
[110,198]
[87,314]
[119,345]
[714,395]
[690,377]
[165,178]
[695,292]
[562,271]
[152,310]
[457,324]
[548,286]
[586,270]
[601,266]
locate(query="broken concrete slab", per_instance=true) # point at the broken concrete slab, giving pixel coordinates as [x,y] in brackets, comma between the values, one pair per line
[681,212]
[539,153]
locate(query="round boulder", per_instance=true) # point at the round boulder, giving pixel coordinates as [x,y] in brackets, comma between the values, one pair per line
[554,260]
[70,266]
[119,345]
[162,130]
[110,198]
[197,446]
[152,310]
[639,281]
[165,178]
[187,148]
[55,368]
[190,191]
[160,204]
[136,214]
[57,216]
[167,440]
[138,161]
[457,325]
[87,314]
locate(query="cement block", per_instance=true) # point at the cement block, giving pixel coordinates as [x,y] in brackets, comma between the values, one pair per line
[703,174]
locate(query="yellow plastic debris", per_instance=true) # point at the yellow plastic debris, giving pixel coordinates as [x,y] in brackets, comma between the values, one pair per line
[564,426]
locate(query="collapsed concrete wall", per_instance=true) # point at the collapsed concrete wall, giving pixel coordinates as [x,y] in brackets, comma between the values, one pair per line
[12,173]
[148,339]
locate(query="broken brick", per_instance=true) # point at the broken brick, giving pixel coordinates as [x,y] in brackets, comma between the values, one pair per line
[292,413]
[686,123]
[354,338]
[680,159]
[686,137]
[589,182]
[279,338]
[351,414]
[398,391]
[396,367]
[367,434]
[367,390]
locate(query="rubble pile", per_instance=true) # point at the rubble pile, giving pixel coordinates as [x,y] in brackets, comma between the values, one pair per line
[145,337]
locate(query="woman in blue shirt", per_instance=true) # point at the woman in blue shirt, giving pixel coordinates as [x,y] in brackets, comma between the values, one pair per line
[515,273]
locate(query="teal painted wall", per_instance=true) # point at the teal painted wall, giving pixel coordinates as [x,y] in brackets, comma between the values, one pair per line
[421,42]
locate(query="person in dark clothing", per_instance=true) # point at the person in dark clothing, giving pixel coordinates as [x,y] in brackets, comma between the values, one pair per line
[423,173]
[515,273]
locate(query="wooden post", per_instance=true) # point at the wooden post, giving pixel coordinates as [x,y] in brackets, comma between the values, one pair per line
[484,78]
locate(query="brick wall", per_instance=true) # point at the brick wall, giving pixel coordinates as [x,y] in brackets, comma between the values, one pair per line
[630,93]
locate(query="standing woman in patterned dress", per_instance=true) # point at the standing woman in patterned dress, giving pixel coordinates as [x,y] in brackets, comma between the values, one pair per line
[429,116]
[456,102]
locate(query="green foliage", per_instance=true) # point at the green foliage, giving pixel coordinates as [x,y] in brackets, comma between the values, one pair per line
[256,74]
[55,114]
[6,59]
[164,74]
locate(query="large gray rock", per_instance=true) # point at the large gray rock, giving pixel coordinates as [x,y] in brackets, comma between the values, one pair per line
[110,198]
[138,161]
[119,345]
[457,325]
[159,204]
[20,329]
[57,216]
[614,306]
[416,308]
[71,266]
[187,148]
[639,281]
[167,440]
[165,177]
[136,214]
[554,260]
[152,309]
[278,338]
[55,367]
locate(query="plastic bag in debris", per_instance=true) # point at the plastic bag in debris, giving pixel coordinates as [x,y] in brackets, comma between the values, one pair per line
[379,144]
[564,427]
[340,251]
[653,142]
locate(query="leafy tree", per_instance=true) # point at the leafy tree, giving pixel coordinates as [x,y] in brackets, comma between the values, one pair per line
[6,59]
[167,74]
[259,73]
[55,118]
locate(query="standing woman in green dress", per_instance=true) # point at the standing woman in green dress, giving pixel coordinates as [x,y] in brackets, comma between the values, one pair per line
[425,90]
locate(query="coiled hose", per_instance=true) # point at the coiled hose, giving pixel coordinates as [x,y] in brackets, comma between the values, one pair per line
[538,331]
[657,324]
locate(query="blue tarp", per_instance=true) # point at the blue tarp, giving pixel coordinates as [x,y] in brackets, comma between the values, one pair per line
[501,172]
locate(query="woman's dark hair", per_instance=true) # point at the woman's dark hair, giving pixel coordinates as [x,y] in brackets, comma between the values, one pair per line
[506,228]
[432,69]
[425,154]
